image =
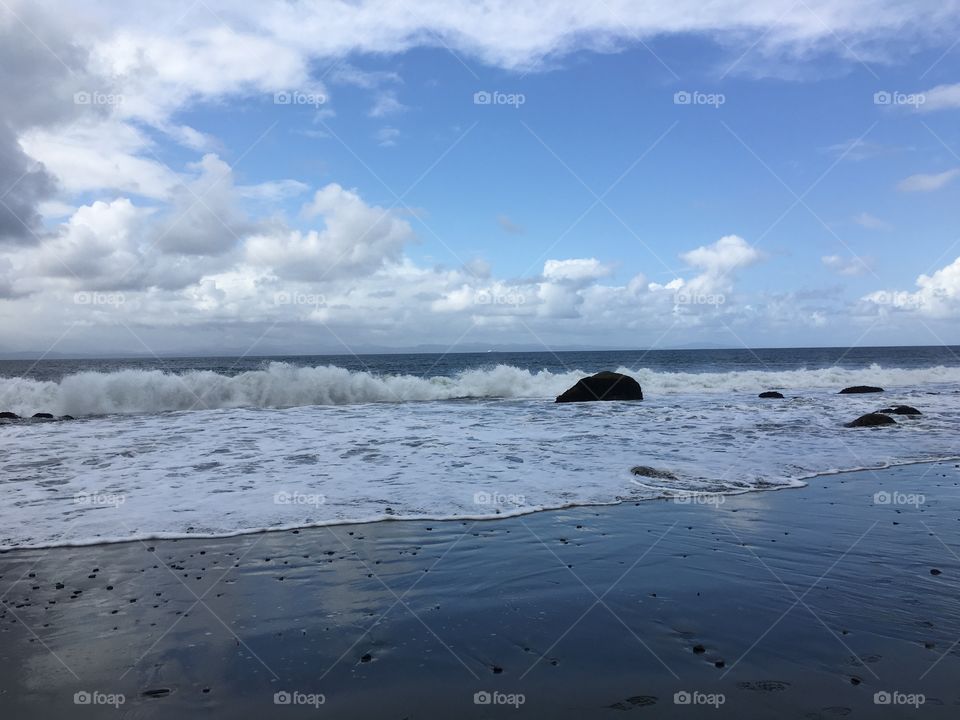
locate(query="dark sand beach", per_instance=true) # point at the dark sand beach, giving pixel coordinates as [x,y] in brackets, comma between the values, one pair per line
[791,604]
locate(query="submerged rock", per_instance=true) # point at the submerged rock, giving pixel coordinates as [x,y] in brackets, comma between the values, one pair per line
[900,410]
[872,420]
[6,415]
[650,472]
[771,394]
[43,416]
[858,389]
[603,386]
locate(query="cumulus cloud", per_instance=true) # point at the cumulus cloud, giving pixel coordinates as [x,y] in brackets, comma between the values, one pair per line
[96,246]
[718,264]
[177,238]
[203,217]
[159,58]
[203,238]
[24,184]
[927,183]
[936,296]
[357,238]
[39,73]
[577,269]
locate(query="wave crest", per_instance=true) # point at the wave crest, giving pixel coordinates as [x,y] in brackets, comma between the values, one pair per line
[280,385]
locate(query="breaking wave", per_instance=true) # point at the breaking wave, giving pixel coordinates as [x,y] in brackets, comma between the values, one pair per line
[280,385]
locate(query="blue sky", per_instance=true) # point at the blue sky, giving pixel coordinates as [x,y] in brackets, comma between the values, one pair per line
[785,204]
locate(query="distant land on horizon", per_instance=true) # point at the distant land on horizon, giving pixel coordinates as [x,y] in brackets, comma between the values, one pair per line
[381,350]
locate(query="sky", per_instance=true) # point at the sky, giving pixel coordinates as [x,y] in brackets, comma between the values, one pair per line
[298,177]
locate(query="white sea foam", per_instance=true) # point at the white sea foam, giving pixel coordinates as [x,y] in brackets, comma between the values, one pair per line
[281,385]
[232,470]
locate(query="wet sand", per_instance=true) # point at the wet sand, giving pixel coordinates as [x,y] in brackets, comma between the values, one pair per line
[790,604]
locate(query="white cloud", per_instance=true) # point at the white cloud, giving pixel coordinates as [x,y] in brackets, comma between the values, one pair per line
[162,72]
[203,216]
[847,266]
[387,136]
[726,254]
[97,247]
[577,269]
[191,138]
[857,149]
[872,222]
[719,263]
[936,296]
[522,33]
[358,238]
[927,183]
[387,103]
[941,97]
[101,154]
[273,191]
[349,74]
[198,259]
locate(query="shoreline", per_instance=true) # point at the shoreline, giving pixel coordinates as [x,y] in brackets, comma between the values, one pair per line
[801,604]
[801,483]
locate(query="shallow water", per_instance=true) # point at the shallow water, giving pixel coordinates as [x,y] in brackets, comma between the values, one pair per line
[235,470]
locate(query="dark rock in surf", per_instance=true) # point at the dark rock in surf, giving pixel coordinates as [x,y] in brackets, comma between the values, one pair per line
[603,386]
[772,394]
[859,389]
[43,416]
[872,420]
[5,415]
[67,417]
[644,471]
[900,410]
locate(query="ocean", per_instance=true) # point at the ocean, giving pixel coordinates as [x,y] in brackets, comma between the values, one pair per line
[209,447]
